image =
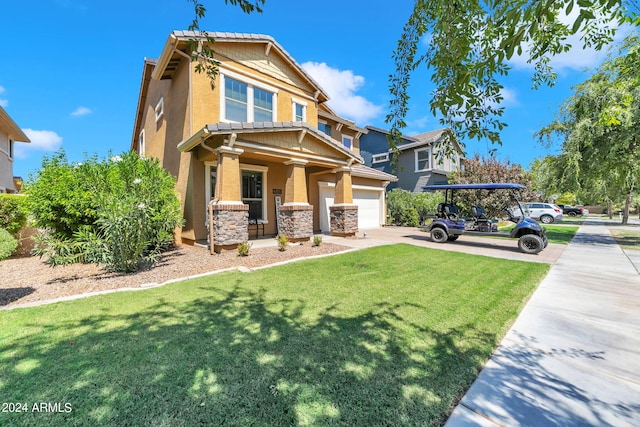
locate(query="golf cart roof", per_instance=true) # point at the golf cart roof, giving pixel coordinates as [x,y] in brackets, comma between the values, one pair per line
[487,186]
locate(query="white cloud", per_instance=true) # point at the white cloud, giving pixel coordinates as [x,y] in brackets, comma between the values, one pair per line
[81,111]
[41,140]
[509,97]
[341,86]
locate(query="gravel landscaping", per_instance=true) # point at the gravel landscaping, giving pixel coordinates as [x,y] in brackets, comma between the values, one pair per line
[30,279]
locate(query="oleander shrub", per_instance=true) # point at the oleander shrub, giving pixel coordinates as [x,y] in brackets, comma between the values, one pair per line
[120,211]
[8,244]
[13,212]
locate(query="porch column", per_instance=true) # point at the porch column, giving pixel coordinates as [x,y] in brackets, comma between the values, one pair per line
[343,214]
[230,215]
[296,214]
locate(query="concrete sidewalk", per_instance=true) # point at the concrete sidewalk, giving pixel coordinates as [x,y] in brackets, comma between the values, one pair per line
[572,358]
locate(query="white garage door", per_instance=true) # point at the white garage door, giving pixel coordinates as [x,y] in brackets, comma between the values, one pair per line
[370,202]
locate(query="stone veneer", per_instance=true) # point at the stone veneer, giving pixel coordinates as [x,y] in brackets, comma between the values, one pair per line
[296,221]
[343,220]
[230,225]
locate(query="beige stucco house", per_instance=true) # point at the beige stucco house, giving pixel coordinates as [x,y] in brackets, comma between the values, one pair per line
[10,133]
[261,147]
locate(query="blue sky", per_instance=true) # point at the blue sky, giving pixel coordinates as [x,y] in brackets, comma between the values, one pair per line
[72,68]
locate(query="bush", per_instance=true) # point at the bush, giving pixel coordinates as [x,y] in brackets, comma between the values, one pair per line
[8,244]
[411,209]
[317,239]
[282,242]
[243,248]
[12,212]
[120,212]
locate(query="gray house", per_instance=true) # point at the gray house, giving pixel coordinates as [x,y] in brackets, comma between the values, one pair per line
[418,161]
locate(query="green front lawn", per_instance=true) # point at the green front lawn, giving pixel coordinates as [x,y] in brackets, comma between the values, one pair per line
[392,335]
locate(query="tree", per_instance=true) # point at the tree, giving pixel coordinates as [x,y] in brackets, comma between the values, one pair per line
[599,126]
[469,43]
[486,170]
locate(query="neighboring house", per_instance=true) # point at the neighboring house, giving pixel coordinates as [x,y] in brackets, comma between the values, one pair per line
[262,145]
[10,133]
[418,162]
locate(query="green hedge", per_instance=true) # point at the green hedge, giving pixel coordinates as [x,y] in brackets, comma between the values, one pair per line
[8,244]
[12,212]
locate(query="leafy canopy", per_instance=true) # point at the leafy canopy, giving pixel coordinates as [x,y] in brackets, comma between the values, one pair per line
[468,43]
[598,126]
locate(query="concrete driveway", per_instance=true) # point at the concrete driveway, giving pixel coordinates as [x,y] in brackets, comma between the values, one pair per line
[492,247]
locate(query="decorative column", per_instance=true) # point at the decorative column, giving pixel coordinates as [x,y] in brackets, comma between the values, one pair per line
[296,214]
[230,215]
[343,214]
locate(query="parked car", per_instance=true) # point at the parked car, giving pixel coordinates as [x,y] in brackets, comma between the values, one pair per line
[572,210]
[545,212]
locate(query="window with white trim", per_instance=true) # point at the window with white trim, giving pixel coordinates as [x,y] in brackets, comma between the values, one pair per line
[423,159]
[347,141]
[380,158]
[299,111]
[11,149]
[159,109]
[141,144]
[244,102]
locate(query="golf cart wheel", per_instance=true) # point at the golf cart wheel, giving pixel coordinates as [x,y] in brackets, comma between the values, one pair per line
[546,219]
[452,238]
[439,235]
[530,244]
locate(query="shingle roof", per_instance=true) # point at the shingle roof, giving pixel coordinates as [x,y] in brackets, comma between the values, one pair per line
[367,172]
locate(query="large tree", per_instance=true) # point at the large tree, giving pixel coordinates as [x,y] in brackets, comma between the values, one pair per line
[468,43]
[599,126]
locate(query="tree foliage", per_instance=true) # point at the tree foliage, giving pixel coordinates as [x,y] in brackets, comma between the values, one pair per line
[411,209]
[598,126]
[468,44]
[120,211]
[490,170]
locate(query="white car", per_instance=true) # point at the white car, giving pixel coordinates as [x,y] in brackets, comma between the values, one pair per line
[546,213]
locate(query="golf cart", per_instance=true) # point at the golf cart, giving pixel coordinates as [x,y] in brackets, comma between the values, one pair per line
[448,225]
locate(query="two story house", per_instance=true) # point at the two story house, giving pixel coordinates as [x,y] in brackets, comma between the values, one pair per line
[10,133]
[261,150]
[418,162]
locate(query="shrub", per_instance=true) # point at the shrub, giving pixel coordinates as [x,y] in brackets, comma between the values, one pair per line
[317,239]
[8,244]
[121,211]
[243,248]
[12,212]
[282,242]
[409,209]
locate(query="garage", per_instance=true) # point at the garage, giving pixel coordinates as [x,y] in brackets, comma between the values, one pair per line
[370,202]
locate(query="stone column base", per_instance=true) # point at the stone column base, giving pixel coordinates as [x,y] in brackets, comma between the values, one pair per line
[296,222]
[230,226]
[343,220]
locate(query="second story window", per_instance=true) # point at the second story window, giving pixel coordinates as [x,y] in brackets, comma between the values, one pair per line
[159,109]
[324,127]
[141,146]
[380,158]
[299,111]
[347,141]
[423,159]
[246,103]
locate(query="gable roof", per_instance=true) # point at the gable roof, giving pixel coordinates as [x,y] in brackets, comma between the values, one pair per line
[176,48]
[224,128]
[8,126]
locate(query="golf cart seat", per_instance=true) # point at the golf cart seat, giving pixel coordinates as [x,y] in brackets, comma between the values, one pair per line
[448,211]
[482,222]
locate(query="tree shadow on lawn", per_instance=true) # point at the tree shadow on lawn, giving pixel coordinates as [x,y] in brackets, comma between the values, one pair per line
[236,358]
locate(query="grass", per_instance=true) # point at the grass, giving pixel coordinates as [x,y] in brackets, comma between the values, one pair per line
[391,335]
[627,239]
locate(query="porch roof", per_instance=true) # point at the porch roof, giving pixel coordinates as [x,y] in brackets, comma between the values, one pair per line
[242,128]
